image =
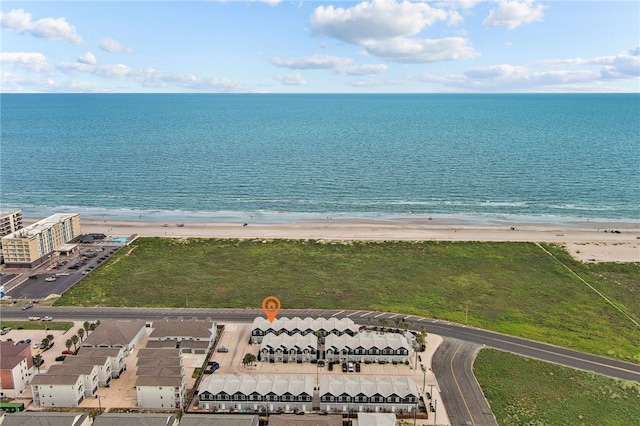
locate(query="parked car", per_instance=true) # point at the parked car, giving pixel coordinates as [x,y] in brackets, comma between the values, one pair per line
[27,306]
[213,367]
[61,358]
[47,318]
[33,277]
[357,367]
[67,352]
[37,345]
[344,367]
[5,330]
[223,349]
[27,341]
[34,318]
[50,279]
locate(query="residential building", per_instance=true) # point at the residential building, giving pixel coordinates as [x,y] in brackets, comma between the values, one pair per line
[219,420]
[34,418]
[53,390]
[368,347]
[259,393]
[89,374]
[109,360]
[35,244]
[285,348]
[376,419]
[322,326]
[306,420]
[137,419]
[369,394]
[164,387]
[189,336]
[117,334]
[10,222]
[16,368]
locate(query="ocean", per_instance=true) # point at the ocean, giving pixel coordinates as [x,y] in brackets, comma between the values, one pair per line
[273,158]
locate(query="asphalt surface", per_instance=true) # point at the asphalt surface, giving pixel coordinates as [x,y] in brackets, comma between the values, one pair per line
[464,400]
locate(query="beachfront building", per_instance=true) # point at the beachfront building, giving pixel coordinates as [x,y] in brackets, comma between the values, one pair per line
[10,222]
[189,336]
[285,348]
[322,326]
[48,418]
[16,368]
[257,393]
[368,347]
[368,394]
[220,420]
[110,361]
[89,374]
[35,244]
[136,419]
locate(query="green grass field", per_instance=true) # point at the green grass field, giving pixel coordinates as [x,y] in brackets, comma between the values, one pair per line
[37,325]
[522,391]
[515,288]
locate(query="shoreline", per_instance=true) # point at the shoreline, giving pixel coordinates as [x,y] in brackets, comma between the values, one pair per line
[588,241]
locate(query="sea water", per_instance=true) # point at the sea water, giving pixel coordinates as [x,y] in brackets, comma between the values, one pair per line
[283,157]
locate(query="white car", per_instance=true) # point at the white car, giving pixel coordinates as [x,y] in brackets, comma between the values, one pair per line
[36,345]
[47,319]
[50,279]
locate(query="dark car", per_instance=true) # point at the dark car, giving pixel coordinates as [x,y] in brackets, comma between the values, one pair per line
[357,367]
[61,358]
[223,349]
[67,352]
[330,366]
[27,306]
[33,277]
[344,367]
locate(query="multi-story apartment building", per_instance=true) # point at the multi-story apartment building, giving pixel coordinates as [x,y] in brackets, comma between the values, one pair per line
[10,222]
[32,245]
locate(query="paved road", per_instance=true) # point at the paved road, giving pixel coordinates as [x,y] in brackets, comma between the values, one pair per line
[597,364]
[464,400]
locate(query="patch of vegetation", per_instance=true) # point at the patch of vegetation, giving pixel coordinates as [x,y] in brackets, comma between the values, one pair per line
[37,325]
[514,288]
[522,391]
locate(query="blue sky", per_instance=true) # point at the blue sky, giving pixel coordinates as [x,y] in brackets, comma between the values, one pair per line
[271,46]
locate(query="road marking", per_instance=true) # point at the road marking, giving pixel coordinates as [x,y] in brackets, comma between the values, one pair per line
[458,385]
[365,314]
[337,313]
[379,315]
[353,313]
[393,316]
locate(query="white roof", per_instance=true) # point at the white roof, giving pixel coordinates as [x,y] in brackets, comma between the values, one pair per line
[289,342]
[263,385]
[303,324]
[42,225]
[366,341]
[367,385]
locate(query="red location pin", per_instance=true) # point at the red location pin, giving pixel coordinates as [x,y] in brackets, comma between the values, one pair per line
[271,307]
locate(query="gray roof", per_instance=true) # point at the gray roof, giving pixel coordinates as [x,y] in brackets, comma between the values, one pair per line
[303,324]
[122,419]
[114,333]
[162,371]
[376,419]
[174,381]
[76,360]
[30,418]
[306,420]
[367,340]
[158,362]
[68,369]
[262,384]
[158,353]
[98,352]
[284,341]
[219,420]
[185,329]
[368,385]
[184,344]
[55,379]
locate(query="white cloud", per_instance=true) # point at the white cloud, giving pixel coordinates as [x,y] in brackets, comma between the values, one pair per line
[368,69]
[315,62]
[294,79]
[423,50]
[48,28]
[385,29]
[88,58]
[621,66]
[32,61]
[375,20]
[512,14]
[269,2]
[13,83]
[496,71]
[112,45]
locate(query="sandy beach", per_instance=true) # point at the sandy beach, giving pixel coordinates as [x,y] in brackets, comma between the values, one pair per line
[587,241]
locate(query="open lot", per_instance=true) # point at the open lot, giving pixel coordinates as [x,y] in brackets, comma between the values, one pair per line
[524,289]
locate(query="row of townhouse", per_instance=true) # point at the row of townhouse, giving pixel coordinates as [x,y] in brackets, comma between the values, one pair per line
[245,393]
[259,393]
[369,347]
[323,326]
[285,348]
[368,394]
